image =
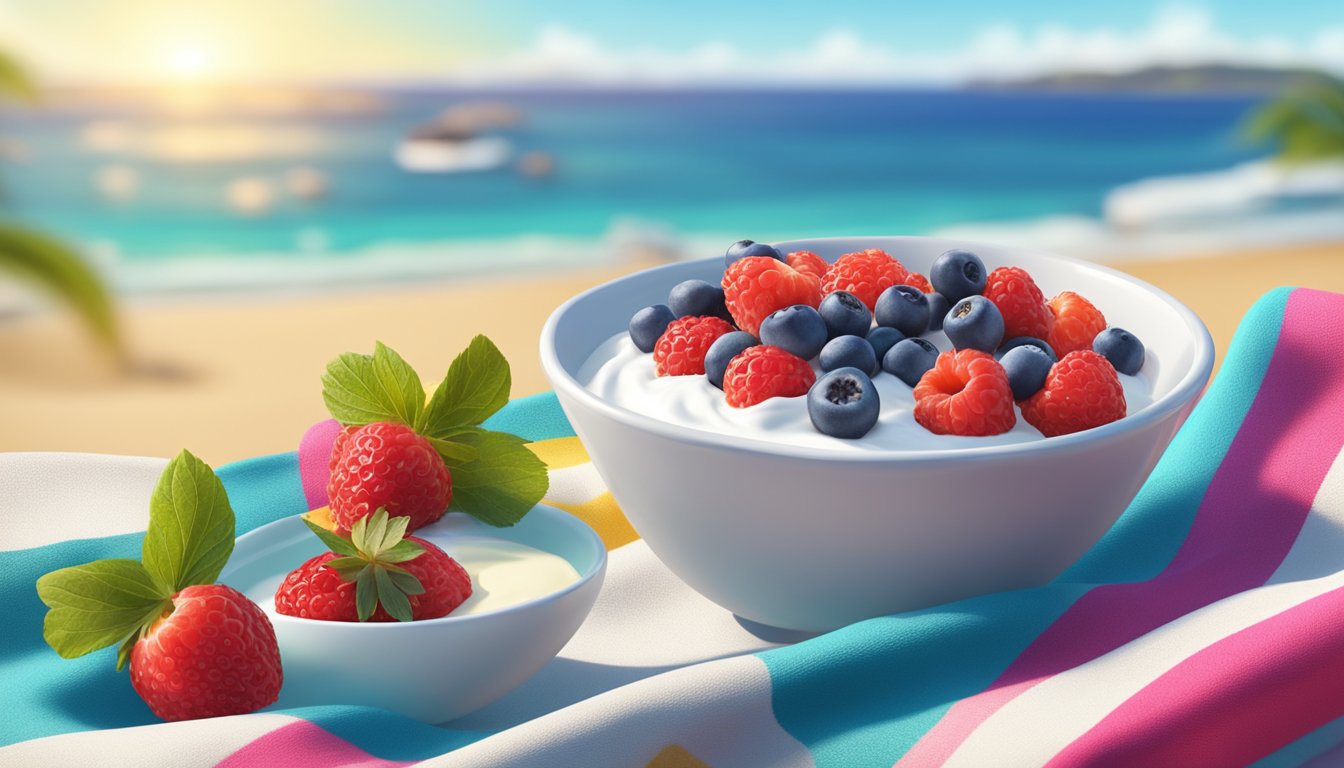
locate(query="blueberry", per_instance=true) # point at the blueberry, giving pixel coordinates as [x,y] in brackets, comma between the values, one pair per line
[798,330]
[697,297]
[1018,341]
[938,307]
[1026,366]
[910,359]
[883,339]
[958,274]
[843,403]
[648,324]
[849,352]
[1122,348]
[845,315]
[744,248]
[722,352]
[974,323]
[903,307]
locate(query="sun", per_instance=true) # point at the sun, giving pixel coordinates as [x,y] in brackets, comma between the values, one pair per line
[189,60]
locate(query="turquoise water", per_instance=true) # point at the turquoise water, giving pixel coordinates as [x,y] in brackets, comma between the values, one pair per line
[762,165]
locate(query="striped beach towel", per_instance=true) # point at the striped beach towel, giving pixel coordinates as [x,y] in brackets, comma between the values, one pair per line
[1206,628]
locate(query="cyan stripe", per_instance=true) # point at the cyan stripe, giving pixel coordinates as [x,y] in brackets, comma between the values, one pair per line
[386,734]
[534,418]
[1305,749]
[865,694]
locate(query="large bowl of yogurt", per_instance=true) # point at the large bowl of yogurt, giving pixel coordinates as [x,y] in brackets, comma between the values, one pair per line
[785,526]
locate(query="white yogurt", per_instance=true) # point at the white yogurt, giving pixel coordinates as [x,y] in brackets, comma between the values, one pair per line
[622,375]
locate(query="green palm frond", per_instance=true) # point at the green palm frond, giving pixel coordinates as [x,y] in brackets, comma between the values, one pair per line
[49,264]
[15,81]
[1306,123]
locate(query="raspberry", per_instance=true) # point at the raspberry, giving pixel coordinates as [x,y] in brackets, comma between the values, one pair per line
[756,286]
[1076,324]
[808,263]
[965,393]
[1081,391]
[316,591]
[386,465]
[763,372]
[866,274]
[215,654]
[1020,302]
[681,349]
[919,281]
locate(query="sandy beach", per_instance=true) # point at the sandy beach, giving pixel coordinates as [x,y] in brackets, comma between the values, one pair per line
[232,377]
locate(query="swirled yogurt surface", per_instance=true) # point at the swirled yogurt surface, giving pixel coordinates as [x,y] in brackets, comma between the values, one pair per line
[622,375]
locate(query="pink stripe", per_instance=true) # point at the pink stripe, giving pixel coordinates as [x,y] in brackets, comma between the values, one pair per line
[1246,523]
[303,745]
[315,460]
[1234,702]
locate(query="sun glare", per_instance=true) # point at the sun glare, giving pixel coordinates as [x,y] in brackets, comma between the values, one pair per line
[189,60]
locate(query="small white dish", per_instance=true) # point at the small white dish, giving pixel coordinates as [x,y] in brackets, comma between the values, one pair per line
[434,670]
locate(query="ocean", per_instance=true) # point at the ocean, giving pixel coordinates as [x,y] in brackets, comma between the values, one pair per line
[167,197]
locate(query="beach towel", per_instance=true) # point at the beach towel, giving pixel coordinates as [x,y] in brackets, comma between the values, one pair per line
[1206,628]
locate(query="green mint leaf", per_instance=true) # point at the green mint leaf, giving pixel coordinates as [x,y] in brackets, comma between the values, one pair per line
[502,483]
[452,451]
[190,535]
[401,552]
[366,594]
[98,604]
[476,386]
[392,599]
[406,582]
[334,541]
[399,383]
[124,650]
[354,392]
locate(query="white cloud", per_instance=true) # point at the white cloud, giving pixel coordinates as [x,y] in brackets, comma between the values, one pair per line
[1176,35]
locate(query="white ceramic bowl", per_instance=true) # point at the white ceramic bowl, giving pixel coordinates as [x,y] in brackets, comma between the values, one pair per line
[807,539]
[433,670]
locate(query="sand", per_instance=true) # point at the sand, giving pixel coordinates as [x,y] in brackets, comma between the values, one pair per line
[232,377]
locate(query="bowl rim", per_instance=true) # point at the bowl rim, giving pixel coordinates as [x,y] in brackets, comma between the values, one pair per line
[1189,386]
[598,566]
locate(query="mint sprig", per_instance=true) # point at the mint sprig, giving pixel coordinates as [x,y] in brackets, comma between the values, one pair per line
[496,479]
[370,558]
[108,602]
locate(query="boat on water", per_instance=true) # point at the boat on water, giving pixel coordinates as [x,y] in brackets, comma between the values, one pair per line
[455,141]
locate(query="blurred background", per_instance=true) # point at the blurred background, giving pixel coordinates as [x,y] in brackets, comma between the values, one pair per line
[203,202]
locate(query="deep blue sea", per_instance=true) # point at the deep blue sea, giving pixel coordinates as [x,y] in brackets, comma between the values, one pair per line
[762,165]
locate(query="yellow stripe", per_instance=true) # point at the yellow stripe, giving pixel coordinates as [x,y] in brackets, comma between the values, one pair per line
[676,756]
[560,452]
[605,517]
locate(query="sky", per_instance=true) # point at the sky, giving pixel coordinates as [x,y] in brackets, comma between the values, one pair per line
[605,42]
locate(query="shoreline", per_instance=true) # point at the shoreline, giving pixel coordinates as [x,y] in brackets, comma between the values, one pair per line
[238,376]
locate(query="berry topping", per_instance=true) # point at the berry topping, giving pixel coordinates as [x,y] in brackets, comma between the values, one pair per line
[918,281]
[743,249]
[845,315]
[1027,366]
[910,359]
[1076,325]
[1122,348]
[763,372]
[939,306]
[385,465]
[722,352]
[849,352]
[756,286]
[695,298]
[958,274]
[681,349]
[808,263]
[1020,302]
[905,308]
[1019,341]
[843,403]
[974,323]
[883,339]
[965,393]
[798,330]
[866,274]
[1082,391]
[648,324]
[408,579]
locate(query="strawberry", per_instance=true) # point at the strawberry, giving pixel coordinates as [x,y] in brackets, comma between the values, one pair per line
[681,349]
[866,274]
[965,393]
[756,286]
[213,654]
[1081,391]
[196,649]
[1077,323]
[762,372]
[808,263]
[1020,302]
[422,581]
[387,465]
